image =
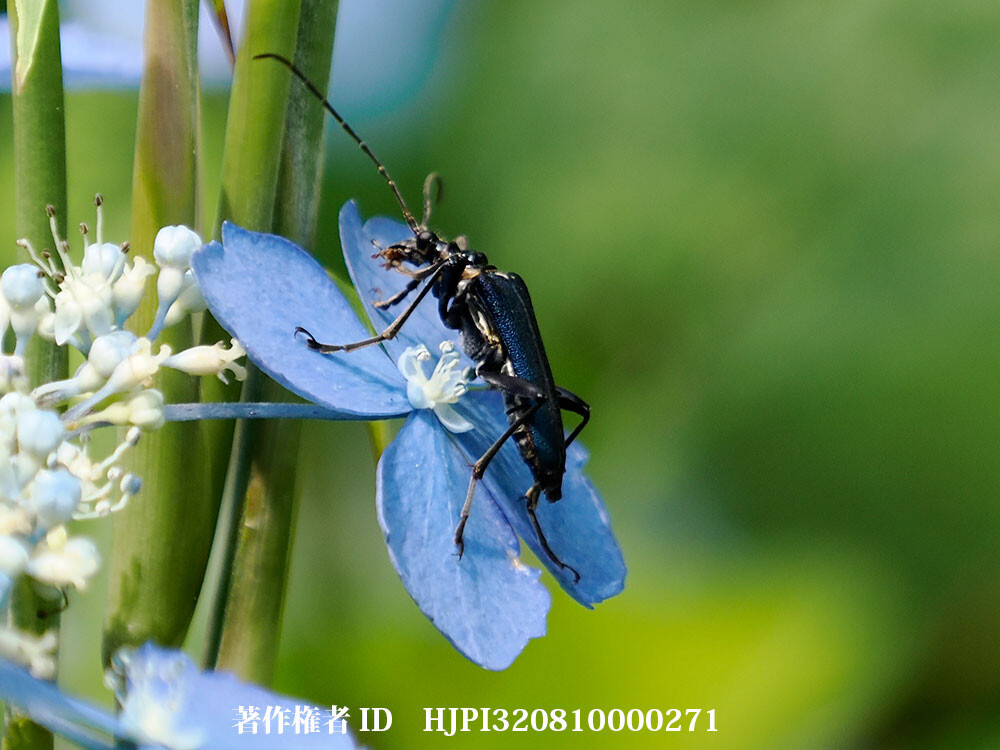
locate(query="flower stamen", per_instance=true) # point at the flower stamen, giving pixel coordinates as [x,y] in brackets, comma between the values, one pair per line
[446,385]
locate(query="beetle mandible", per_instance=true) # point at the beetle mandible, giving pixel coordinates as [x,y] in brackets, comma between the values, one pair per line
[492,311]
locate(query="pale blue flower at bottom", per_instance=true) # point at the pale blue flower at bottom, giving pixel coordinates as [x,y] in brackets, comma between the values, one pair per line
[166,702]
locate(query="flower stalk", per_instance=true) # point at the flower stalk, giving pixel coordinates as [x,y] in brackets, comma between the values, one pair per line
[39,180]
[161,545]
[251,580]
[260,567]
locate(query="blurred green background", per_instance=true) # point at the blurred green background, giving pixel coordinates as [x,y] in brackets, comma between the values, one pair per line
[761,241]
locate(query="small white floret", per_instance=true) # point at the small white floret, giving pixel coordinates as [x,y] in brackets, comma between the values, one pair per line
[210,360]
[39,432]
[446,385]
[54,496]
[128,290]
[21,286]
[63,561]
[174,246]
[35,652]
[13,556]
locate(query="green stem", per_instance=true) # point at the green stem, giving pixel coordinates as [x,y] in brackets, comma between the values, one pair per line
[162,541]
[260,569]
[39,180]
[251,161]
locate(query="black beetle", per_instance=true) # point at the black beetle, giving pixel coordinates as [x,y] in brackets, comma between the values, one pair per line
[492,310]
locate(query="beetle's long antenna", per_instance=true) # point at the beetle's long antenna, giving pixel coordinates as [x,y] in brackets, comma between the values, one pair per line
[347,129]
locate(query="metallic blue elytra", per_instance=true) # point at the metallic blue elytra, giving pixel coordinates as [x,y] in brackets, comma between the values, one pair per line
[506,304]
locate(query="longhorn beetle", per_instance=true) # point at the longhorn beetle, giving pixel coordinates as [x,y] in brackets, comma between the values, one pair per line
[492,311]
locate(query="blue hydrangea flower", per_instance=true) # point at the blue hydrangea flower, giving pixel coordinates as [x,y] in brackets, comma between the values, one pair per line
[488,603]
[167,702]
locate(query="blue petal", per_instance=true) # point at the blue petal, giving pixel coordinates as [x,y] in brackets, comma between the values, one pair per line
[165,688]
[53,709]
[260,287]
[374,282]
[577,526]
[488,603]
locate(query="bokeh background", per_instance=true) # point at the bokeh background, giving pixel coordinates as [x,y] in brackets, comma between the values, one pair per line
[761,240]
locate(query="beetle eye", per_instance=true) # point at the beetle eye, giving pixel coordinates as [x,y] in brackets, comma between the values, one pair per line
[424,240]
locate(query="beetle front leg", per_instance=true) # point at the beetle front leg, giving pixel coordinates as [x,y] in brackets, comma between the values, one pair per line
[390,331]
[399,296]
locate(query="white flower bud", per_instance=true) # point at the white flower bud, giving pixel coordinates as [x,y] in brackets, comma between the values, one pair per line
[60,561]
[174,246]
[68,317]
[57,391]
[129,289]
[43,307]
[210,360]
[14,520]
[37,652]
[169,284]
[109,350]
[130,484]
[138,368]
[47,326]
[13,556]
[22,289]
[14,404]
[100,260]
[54,496]
[190,300]
[39,432]
[22,286]
[145,410]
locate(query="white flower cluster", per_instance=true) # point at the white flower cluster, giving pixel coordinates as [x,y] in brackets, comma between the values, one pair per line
[47,476]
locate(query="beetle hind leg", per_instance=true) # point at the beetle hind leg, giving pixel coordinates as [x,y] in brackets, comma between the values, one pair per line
[531,504]
[569,401]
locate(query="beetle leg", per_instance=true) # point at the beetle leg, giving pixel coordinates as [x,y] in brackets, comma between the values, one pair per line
[382,304]
[510,384]
[479,468]
[531,503]
[569,401]
[390,331]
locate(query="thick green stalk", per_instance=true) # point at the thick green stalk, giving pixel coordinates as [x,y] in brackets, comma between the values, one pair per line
[253,612]
[251,160]
[251,155]
[162,540]
[39,180]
